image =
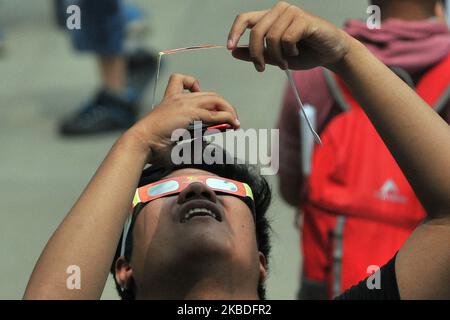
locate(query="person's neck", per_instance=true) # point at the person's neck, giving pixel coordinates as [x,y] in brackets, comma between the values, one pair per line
[203,289]
[409,11]
[210,283]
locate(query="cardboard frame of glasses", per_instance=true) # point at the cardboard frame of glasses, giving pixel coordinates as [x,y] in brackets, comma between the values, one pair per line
[210,46]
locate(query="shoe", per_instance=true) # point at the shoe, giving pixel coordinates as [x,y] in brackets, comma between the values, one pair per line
[107,112]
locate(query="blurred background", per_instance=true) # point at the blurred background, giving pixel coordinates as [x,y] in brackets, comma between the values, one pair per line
[42,79]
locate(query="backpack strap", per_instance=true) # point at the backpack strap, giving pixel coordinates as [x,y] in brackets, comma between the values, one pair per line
[404,75]
[433,87]
[336,90]
[340,92]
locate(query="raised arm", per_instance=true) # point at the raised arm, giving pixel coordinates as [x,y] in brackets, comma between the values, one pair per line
[89,234]
[417,137]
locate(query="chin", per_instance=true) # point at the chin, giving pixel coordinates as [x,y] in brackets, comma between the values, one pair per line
[205,244]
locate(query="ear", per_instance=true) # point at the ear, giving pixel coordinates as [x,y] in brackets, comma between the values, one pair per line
[124,273]
[262,268]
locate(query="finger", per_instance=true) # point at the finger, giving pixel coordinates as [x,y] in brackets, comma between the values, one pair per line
[240,24]
[215,103]
[217,117]
[258,34]
[212,102]
[180,82]
[218,103]
[273,38]
[200,94]
[291,37]
[241,54]
[244,55]
[192,97]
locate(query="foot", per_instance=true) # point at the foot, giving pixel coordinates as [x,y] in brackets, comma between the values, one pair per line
[105,113]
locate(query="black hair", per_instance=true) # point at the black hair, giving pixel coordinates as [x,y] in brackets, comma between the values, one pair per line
[262,196]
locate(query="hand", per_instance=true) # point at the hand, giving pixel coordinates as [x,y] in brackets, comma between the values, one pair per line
[177,110]
[295,39]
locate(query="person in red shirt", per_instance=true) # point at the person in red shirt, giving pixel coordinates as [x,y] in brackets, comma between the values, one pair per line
[412,41]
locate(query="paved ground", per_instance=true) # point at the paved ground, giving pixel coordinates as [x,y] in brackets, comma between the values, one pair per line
[42,79]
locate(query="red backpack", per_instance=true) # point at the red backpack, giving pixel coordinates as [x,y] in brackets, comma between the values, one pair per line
[357,198]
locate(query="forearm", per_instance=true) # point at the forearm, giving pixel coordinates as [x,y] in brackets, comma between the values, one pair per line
[89,234]
[417,137]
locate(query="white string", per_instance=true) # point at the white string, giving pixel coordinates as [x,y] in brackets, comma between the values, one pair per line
[172,51]
[156,79]
[299,101]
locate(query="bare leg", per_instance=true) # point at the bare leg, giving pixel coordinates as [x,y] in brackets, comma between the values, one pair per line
[113,72]
[117,113]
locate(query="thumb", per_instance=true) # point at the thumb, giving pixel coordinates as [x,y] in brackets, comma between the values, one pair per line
[243,53]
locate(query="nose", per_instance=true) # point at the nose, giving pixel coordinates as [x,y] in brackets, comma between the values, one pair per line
[197,190]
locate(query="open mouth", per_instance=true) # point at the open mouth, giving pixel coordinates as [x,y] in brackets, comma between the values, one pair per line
[199,212]
[200,208]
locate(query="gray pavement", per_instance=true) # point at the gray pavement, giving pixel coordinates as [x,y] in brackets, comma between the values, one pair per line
[42,79]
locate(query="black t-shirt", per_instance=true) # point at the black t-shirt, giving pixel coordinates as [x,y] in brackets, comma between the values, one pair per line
[388,290]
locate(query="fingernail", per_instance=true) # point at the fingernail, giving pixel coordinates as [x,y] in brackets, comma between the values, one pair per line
[230,44]
[259,67]
[238,123]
